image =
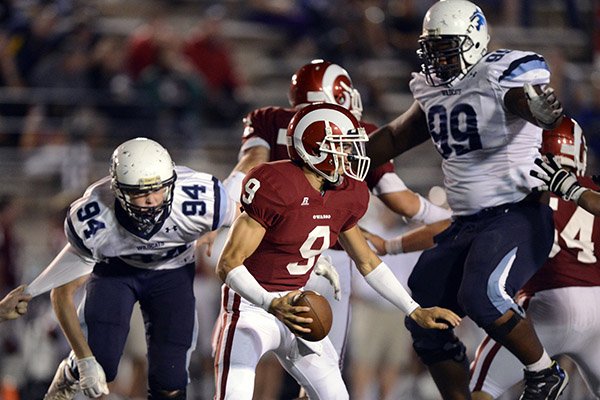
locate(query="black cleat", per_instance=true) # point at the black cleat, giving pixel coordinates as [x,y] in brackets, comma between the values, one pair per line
[547,384]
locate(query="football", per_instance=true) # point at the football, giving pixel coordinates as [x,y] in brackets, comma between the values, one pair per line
[320,312]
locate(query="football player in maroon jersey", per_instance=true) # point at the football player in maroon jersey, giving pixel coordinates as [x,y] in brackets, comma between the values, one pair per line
[563,297]
[293,211]
[264,139]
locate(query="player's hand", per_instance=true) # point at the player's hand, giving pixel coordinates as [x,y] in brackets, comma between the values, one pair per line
[545,107]
[14,304]
[435,318]
[91,377]
[283,309]
[207,240]
[324,268]
[557,179]
[378,243]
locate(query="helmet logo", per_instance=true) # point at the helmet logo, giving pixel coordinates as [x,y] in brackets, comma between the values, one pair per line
[151,181]
[478,19]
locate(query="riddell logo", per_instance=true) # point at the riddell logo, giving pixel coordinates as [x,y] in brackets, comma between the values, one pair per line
[321,216]
[304,202]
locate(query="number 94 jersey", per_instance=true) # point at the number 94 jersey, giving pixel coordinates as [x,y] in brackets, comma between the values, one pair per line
[99,229]
[488,152]
[300,222]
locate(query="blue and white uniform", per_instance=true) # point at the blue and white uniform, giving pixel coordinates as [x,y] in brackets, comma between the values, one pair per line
[487,152]
[500,236]
[156,269]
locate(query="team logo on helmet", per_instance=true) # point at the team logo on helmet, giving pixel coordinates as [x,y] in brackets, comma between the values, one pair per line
[329,140]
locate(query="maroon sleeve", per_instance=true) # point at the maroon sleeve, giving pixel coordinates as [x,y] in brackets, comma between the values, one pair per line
[374,175]
[259,123]
[360,201]
[260,197]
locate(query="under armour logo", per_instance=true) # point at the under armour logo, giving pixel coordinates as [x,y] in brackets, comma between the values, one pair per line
[304,201]
[174,228]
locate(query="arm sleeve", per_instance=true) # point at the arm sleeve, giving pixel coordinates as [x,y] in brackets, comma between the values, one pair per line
[67,266]
[360,201]
[429,213]
[383,280]
[224,213]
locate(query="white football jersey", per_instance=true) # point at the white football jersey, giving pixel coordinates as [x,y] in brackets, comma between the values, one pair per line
[200,205]
[488,152]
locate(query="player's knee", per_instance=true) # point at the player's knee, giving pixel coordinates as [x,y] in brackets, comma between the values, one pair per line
[434,346]
[158,394]
[452,350]
[499,330]
[469,299]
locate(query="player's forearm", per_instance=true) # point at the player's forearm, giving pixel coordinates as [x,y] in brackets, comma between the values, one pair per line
[242,281]
[590,201]
[66,313]
[251,158]
[402,134]
[417,239]
[384,282]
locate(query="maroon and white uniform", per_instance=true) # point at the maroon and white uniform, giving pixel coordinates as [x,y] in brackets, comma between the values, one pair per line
[300,223]
[563,301]
[267,127]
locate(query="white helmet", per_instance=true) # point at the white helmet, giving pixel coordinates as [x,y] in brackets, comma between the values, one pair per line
[142,165]
[454,38]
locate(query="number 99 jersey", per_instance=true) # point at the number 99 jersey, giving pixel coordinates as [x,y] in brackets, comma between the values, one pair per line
[99,228]
[487,151]
[300,222]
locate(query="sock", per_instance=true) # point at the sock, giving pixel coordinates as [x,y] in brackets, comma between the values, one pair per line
[544,362]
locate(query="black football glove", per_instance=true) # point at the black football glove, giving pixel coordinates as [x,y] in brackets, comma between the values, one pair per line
[557,179]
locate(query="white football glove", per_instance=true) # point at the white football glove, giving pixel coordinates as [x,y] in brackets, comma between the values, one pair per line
[91,377]
[324,268]
[558,180]
[545,107]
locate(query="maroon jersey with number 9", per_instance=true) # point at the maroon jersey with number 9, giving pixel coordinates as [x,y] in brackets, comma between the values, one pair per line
[300,222]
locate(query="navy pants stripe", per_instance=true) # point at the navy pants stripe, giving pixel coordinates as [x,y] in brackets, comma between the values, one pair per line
[167,302]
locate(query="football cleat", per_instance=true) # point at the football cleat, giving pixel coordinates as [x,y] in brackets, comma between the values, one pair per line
[64,386]
[547,384]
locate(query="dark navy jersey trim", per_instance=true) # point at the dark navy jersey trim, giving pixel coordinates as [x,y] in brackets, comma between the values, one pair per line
[515,64]
[217,211]
[75,239]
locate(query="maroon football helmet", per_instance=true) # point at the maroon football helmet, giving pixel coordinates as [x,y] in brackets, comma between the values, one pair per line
[328,139]
[322,81]
[567,143]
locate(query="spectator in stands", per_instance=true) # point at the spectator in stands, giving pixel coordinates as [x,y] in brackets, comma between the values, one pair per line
[210,54]
[32,41]
[174,89]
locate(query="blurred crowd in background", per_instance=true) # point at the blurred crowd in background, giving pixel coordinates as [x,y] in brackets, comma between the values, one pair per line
[78,77]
